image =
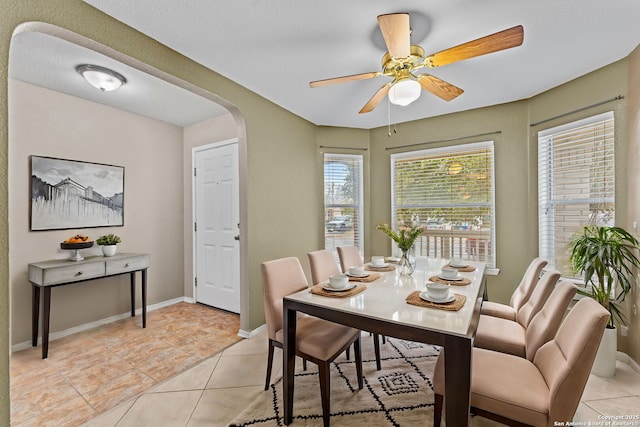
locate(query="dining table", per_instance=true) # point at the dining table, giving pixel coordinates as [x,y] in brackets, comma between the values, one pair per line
[382,308]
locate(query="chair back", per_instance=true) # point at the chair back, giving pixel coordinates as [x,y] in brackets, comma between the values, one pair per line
[538,297]
[323,265]
[545,324]
[280,277]
[565,362]
[524,290]
[349,257]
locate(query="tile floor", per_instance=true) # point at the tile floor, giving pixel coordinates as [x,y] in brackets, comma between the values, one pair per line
[90,372]
[214,391]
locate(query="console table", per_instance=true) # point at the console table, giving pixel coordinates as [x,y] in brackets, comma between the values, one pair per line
[59,272]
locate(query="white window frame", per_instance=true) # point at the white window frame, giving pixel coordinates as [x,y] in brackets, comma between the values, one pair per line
[452,150]
[358,223]
[548,229]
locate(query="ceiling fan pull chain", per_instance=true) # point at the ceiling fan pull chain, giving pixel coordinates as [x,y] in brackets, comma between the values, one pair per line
[389,118]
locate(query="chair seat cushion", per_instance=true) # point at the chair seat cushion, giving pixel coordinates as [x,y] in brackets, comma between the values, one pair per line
[510,386]
[498,310]
[505,336]
[504,384]
[319,338]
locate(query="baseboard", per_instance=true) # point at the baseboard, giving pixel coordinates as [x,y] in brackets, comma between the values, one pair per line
[250,334]
[61,334]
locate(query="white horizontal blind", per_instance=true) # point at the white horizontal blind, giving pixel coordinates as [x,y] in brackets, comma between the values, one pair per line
[343,201]
[576,187]
[450,191]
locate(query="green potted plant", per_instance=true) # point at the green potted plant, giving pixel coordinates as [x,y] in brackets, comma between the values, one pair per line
[405,237]
[108,243]
[606,257]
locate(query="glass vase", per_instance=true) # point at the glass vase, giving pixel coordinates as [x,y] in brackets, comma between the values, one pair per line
[407,263]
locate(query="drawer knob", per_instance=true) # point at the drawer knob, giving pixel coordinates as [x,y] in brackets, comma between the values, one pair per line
[127,265]
[79,273]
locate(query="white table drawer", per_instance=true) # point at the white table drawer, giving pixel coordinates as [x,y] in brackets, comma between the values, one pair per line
[117,266]
[71,273]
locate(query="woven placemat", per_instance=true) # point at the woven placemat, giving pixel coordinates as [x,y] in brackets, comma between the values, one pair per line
[318,290]
[455,305]
[367,279]
[387,268]
[462,282]
[466,269]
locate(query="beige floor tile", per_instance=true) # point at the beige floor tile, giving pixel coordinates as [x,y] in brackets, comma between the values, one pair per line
[626,378]
[218,407]
[170,409]
[195,378]
[584,413]
[239,371]
[111,417]
[600,388]
[255,345]
[620,406]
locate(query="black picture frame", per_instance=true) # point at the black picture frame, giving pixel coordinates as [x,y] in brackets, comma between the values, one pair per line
[71,194]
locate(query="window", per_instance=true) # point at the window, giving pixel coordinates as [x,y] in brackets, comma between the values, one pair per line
[576,184]
[450,191]
[343,204]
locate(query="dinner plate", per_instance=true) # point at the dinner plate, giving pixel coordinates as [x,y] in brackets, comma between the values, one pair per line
[358,276]
[458,277]
[393,259]
[426,297]
[328,287]
[385,265]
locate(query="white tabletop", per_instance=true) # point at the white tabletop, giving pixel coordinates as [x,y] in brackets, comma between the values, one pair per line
[385,299]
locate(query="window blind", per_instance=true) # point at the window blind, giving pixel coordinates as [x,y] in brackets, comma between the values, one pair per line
[449,191]
[343,201]
[576,176]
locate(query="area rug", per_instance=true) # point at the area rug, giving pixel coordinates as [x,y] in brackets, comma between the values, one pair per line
[401,394]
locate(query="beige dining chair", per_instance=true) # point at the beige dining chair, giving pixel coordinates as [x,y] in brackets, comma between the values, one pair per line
[520,296]
[519,392]
[323,265]
[506,336]
[317,340]
[349,257]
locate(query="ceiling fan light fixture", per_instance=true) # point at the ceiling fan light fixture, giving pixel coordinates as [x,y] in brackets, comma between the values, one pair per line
[101,78]
[404,92]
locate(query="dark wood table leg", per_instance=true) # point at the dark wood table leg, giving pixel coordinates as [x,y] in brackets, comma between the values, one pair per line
[144,298]
[133,293]
[457,377]
[288,361]
[46,314]
[35,315]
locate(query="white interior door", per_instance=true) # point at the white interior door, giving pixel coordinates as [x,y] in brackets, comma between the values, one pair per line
[217,216]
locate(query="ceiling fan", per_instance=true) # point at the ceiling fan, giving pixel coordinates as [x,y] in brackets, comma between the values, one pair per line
[403,58]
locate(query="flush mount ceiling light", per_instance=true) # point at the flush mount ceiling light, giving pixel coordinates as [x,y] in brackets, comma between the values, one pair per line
[404,92]
[101,78]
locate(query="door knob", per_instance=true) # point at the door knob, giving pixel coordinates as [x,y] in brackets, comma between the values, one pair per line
[237,237]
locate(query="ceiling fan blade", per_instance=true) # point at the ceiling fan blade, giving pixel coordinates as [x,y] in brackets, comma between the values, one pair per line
[396,33]
[344,79]
[439,87]
[376,98]
[501,40]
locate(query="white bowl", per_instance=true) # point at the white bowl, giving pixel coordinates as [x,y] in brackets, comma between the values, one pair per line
[437,291]
[457,262]
[449,273]
[356,271]
[377,261]
[338,281]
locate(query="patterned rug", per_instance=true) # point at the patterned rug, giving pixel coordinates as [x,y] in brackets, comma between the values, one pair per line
[401,394]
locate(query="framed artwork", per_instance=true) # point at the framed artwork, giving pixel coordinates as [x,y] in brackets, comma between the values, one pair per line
[73,194]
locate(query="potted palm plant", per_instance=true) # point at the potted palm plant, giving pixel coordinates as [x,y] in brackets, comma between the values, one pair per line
[606,257]
[108,243]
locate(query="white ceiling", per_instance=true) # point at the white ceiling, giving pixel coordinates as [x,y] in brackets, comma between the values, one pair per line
[275,47]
